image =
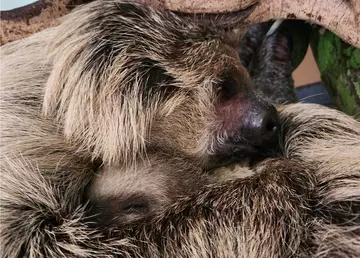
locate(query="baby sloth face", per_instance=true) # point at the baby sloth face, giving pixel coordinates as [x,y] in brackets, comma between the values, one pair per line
[120,196]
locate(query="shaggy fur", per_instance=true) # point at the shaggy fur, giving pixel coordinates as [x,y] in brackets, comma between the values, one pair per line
[303,203]
[121,87]
[307,204]
[152,64]
[121,80]
[120,196]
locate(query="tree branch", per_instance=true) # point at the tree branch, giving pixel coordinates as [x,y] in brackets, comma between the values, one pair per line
[339,16]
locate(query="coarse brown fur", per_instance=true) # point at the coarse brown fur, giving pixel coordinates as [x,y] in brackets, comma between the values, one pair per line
[118,196]
[125,195]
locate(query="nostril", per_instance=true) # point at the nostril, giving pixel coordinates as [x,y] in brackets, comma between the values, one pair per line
[270,125]
[271,122]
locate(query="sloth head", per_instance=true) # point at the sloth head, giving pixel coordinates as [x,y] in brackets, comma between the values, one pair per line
[119,196]
[128,79]
[124,195]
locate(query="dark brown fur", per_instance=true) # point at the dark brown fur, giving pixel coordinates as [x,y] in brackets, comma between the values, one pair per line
[268,59]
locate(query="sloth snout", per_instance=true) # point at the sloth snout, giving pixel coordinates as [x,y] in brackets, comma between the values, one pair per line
[253,132]
[261,126]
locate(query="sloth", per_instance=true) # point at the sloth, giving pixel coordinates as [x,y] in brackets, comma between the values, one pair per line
[118,94]
[104,54]
[123,84]
[123,80]
[303,204]
[121,196]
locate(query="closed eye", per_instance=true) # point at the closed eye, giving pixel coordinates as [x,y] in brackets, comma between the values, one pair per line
[134,204]
[228,87]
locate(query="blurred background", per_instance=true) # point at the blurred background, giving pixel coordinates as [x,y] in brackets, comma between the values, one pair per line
[309,87]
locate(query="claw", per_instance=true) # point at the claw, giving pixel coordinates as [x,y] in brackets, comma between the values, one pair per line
[274,27]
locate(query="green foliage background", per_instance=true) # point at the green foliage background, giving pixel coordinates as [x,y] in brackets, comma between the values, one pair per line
[339,65]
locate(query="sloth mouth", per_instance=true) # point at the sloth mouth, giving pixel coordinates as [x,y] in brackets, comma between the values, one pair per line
[235,153]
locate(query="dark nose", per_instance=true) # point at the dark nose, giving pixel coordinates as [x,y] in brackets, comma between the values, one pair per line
[261,126]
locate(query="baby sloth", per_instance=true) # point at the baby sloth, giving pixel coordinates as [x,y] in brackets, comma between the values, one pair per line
[121,196]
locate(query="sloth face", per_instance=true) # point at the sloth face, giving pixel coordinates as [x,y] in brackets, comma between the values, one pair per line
[216,119]
[119,195]
[129,79]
